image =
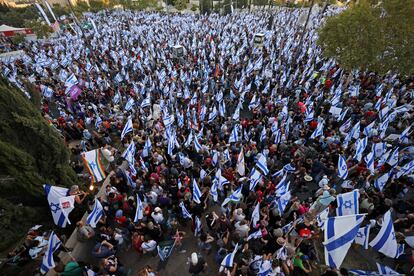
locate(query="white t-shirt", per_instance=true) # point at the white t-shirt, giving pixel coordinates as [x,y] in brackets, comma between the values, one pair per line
[149,245]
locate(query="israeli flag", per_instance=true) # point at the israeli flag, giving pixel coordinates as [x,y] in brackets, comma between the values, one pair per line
[255,235]
[147,148]
[235,196]
[96,214]
[369,161]
[404,135]
[129,180]
[360,147]
[393,160]
[278,136]
[168,120]
[348,203]
[322,217]
[342,167]
[362,236]
[339,233]
[53,195]
[197,145]
[368,129]
[254,103]
[130,104]
[256,215]
[283,201]
[198,228]
[382,181]
[255,177]
[240,163]
[229,259]
[213,190]
[262,163]
[117,98]
[196,192]
[139,213]
[289,168]
[46,91]
[263,135]
[318,131]
[283,187]
[71,81]
[52,245]
[127,128]
[213,115]
[171,144]
[222,109]
[379,149]
[184,211]
[214,159]
[342,115]
[234,135]
[189,140]
[226,155]
[129,153]
[146,102]
[383,112]
[356,131]
[385,241]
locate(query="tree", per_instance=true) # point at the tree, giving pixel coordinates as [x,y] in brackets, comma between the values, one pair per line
[40,28]
[32,153]
[205,6]
[371,35]
[180,4]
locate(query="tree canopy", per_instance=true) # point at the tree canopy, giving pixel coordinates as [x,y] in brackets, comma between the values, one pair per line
[372,35]
[31,153]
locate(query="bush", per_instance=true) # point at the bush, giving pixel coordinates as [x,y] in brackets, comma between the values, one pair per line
[180,4]
[194,7]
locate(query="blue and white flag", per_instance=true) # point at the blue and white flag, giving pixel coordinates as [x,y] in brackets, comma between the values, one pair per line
[362,236]
[322,217]
[198,228]
[227,262]
[368,129]
[369,161]
[184,211]
[165,248]
[360,147]
[348,203]
[198,147]
[256,214]
[71,81]
[255,235]
[146,102]
[130,104]
[342,115]
[235,196]
[147,148]
[234,135]
[213,190]
[196,192]
[404,134]
[289,168]
[139,212]
[346,126]
[282,187]
[393,160]
[355,131]
[385,241]
[53,195]
[262,163]
[255,177]
[282,202]
[96,214]
[318,131]
[263,135]
[52,245]
[129,153]
[168,120]
[342,167]
[380,182]
[127,128]
[339,234]
[240,163]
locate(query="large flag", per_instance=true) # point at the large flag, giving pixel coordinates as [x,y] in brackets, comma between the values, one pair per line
[342,167]
[360,147]
[234,135]
[92,160]
[380,182]
[52,245]
[139,213]
[165,248]
[348,203]
[283,201]
[322,217]
[255,235]
[227,262]
[339,233]
[184,210]
[96,214]
[362,236]
[127,128]
[42,12]
[240,163]
[196,192]
[255,177]
[318,131]
[129,153]
[54,194]
[385,241]
[147,148]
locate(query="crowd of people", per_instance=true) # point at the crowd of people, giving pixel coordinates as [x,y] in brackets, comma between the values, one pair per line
[237,141]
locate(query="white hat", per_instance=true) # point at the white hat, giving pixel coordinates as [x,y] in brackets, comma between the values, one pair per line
[157,209]
[194,258]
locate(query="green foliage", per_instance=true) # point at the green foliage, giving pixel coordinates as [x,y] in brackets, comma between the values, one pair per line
[31,153]
[194,7]
[17,39]
[377,37]
[17,17]
[206,6]
[227,7]
[180,4]
[40,28]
